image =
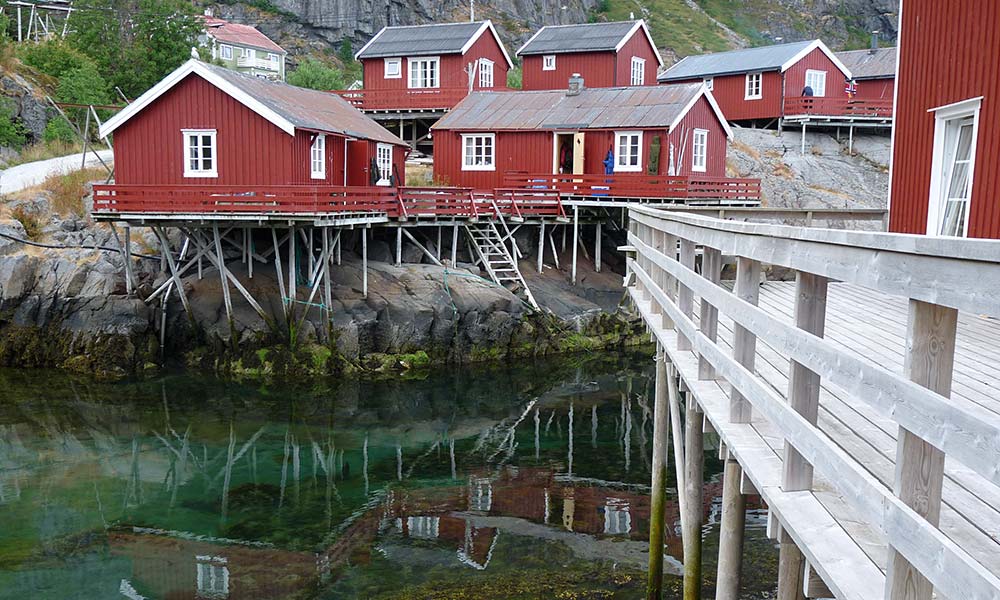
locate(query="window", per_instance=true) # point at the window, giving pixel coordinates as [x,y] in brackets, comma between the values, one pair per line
[393,68]
[273,58]
[699,150]
[754,86]
[485,73]
[423,527]
[424,72]
[478,152]
[213,577]
[199,153]
[480,495]
[817,81]
[549,62]
[956,131]
[709,83]
[383,159]
[317,158]
[628,156]
[638,71]
[617,517]
[226,52]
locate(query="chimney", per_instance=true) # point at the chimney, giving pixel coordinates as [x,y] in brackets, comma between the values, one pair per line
[209,11]
[575,85]
[874,42]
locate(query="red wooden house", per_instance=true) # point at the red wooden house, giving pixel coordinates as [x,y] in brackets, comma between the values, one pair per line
[428,67]
[604,54]
[946,145]
[207,125]
[764,84]
[874,72]
[674,130]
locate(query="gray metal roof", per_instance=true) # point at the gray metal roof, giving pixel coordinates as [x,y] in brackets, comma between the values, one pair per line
[879,63]
[306,109]
[420,40]
[594,108]
[589,37]
[765,58]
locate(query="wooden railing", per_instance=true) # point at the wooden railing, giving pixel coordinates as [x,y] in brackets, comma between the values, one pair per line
[406,99]
[938,277]
[838,107]
[621,185]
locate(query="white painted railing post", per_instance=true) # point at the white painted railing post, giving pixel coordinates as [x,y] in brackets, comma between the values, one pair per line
[744,343]
[711,270]
[685,298]
[929,361]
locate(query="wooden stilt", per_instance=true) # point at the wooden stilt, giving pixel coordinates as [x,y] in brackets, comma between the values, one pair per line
[552,244]
[676,431]
[364,262]
[338,240]
[127,258]
[850,140]
[175,275]
[425,251]
[327,291]
[399,246]
[803,137]
[224,281]
[790,569]
[576,239]
[661,433]
[280,275]
[454,245]
[694,460]
[541,246]
[597,248]
[437,249]
[731,533]
[291,274]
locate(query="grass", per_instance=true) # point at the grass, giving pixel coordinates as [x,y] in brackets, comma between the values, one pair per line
[32,226]
[67,191]
[45,151]
[673,24]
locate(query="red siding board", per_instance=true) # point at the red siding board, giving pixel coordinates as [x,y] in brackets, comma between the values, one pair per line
[876,89]
[638,45]
[599,69]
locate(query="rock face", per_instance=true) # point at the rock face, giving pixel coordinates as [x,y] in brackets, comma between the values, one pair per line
[29,106]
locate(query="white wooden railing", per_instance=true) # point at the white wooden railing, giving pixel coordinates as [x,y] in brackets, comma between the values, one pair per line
[939,277]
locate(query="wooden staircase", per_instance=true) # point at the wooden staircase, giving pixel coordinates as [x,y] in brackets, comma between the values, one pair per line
[491,247]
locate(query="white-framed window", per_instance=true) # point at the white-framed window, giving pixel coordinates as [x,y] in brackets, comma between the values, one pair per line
[213,577]
[699,150]
[383,159]
[479,152]
[617,517]
[638,71]
[226,52]
[628,151]
[317,158]
[549,62]
[709,83]
[249,53]
[273,58]
[485,73]
[956,132]
[200,156]
[393,68]
[817,81]
[425,72]
[480,495]
[755,88]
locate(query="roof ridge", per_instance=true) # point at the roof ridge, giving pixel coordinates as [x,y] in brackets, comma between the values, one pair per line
[480,23]
[631,22]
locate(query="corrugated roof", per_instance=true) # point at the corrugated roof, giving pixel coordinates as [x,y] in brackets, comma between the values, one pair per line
[306,109]
[421,40]
[588,37]
[594,108]
[241,35]
[870,64]
[765,58]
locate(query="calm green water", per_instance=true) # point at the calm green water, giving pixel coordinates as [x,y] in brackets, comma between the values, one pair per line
[523,482]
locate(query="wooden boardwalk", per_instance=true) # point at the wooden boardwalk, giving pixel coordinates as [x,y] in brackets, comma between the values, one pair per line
[838,418]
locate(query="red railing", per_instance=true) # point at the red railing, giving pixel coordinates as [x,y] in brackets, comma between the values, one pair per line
[639,186]
[415,99]
[838,107]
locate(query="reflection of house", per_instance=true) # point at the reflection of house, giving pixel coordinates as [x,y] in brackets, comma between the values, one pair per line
[243,48]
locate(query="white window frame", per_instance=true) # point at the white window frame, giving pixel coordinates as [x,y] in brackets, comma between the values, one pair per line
[214,147]
[485,73]
[754,92]
[621,167]
[549,62]
[212,576]
[709,83]
[638,71]
[940,183]
[272,57]
[466,166]
[416,63]
[699,161]
[817,76]
[383,160]
[225,52]
[393,68]
[317,158]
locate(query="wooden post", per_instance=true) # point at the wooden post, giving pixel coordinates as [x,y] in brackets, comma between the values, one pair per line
[790,568]
[661,433]
[711,270]
[437,249]
[399,246]
[731,529]
[929,361]
[541,246]
[454,245]
[576,240]
[744,343]
[364,262]
[174,273]
[694,458]
[597,248]
[127,257]
[803,137]
[291,274]
[224,281]
[850,141]
[685,298]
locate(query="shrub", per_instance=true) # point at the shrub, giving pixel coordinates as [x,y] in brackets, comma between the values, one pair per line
[58,130]
[316,75]
[53,57]
[12,131]
[32,226]
[67,191]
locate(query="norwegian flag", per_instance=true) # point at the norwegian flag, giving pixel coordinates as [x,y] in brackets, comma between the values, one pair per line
[850,88]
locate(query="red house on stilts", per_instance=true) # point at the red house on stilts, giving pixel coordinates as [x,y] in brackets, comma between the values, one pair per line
[946,145]
[874,72]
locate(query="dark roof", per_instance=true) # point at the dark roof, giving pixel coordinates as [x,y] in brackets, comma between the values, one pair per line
[594,108]
[589,37]
[421,40]
[765,58]
[870,64]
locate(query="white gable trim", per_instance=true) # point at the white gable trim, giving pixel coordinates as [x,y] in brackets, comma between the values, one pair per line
[703,92]
[488,25]
[195,67]
[531,39]
[357,55]
[814,45]
[640,24]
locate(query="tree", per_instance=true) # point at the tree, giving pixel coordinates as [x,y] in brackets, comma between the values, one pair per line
[54,57]
[316,75]
[12,133]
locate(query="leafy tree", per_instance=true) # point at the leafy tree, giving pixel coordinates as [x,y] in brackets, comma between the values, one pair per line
[514,78]
[58,130]
[54,57]
[316,75]
[12,132]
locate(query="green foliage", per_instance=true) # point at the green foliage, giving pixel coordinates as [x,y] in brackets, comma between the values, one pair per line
[514,78]
[54,57]
[4,30]
[346,52]
[317,75]
[83,85]
[12,132]
[58,130]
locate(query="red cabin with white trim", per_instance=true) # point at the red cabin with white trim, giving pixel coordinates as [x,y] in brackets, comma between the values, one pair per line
[874,72]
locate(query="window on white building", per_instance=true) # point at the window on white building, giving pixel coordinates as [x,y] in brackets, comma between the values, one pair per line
[549,62]
[273,59]
[709,83]
[956,131]
[213,577]
[754,89]
[478,152]
[393,68]
[817,81]
[200,158]
[485,73]
[226,52]
[699,150]
[383,159]
[638,71]
[425,72]
[317,158]
[628,155]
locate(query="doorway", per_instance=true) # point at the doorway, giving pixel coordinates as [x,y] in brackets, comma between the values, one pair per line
[568,153]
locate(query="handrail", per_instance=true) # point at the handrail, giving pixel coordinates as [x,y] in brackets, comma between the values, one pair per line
[423,98]
[637,185]
[838,107]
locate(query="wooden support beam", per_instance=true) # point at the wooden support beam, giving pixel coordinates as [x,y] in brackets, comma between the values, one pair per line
[813,585]
[552,244]
[224,281]
[426,252]
[290,300]
[174,274]
[661,433]
[127,258]
[711,270]
[676,431]
[731,532]
[541,246]
[327,290]
[694,480]
[597,247]
[576,240]
[280,275]
[364,262]
[454,245]
[747,288]
[790,569]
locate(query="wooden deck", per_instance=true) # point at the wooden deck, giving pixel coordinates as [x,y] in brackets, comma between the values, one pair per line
[866,522]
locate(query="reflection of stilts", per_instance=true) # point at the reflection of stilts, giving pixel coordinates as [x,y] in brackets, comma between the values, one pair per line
[593,426]
[570,465]
[364,464]
[229,472]
[661,424]
[537,441]
[451,454]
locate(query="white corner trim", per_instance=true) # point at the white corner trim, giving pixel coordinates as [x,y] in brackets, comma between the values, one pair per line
[357,55]
[198,68]
[641,24]
[488,25]
[829,54]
